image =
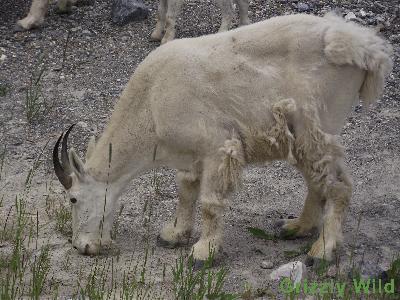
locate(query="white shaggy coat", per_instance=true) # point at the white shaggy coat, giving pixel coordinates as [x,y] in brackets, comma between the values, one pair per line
[275,90]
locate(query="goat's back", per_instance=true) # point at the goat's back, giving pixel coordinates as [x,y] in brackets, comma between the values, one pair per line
[320,62]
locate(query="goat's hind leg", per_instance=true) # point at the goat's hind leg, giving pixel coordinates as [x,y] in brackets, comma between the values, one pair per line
[322,163]
[157,34]
[178,231]
[243,12]
[310,217]
[174,7]
[337,189]
[227,14]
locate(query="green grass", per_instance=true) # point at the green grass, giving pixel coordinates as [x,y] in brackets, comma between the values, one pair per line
[206,283]
[35,102]
[261,234]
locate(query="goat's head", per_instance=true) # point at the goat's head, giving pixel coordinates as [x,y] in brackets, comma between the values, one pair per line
[92,211]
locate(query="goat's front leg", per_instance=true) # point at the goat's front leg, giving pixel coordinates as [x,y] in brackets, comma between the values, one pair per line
[174,7]
[35,17]
[178,231]
[157,34]
[243,12]
[220,176]
[212,206]
[227,14]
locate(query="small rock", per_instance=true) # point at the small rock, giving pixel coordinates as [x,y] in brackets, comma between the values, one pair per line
[86,32]
[124,11]
[82,124]
[302,7]
[296,271]
[394,38]
[363,13]
[3,57]
[380,19]
[266,264]
[75,29]
[350,16]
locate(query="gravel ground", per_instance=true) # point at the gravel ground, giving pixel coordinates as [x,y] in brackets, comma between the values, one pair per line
[82,83]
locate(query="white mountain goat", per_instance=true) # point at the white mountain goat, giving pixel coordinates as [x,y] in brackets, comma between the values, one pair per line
[38,11]
[168,11]
[276,90]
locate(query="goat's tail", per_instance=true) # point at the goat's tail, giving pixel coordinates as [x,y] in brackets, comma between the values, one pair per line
[348,43]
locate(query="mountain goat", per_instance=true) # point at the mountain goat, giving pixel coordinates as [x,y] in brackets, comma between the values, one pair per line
[275,90]
[168,11]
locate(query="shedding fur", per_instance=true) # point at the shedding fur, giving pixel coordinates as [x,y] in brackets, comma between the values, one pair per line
[232,162]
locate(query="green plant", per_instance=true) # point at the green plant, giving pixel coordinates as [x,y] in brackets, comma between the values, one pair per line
[394,272]
[2,160]
[63,218]
[35,103]
[3,90]
[203,284]
[295,253]
[261,234]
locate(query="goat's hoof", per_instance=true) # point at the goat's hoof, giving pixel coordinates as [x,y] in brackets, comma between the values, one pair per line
[165,244]
[198,265]
[19,28]
[156,37]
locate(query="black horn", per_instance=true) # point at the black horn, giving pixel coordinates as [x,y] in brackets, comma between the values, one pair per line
[64,178]
[64,152]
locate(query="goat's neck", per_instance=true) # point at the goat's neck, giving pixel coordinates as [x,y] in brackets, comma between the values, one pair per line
[130,136]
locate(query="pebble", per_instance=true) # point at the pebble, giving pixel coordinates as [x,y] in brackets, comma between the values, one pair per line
[266,264]
[350,16]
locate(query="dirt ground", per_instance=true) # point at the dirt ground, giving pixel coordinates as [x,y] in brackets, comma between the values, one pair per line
[97,63]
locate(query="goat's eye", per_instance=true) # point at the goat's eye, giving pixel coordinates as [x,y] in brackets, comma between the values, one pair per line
[73,200]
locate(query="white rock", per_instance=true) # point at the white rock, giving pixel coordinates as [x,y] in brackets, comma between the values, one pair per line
[296,271]
[3,57]
[363,13]
[350,16]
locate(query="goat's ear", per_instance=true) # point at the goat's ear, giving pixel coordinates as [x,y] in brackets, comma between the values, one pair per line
[90,147]
[76,164]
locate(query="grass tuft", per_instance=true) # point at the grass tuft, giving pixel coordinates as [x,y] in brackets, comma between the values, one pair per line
[203,284]
[35,103]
